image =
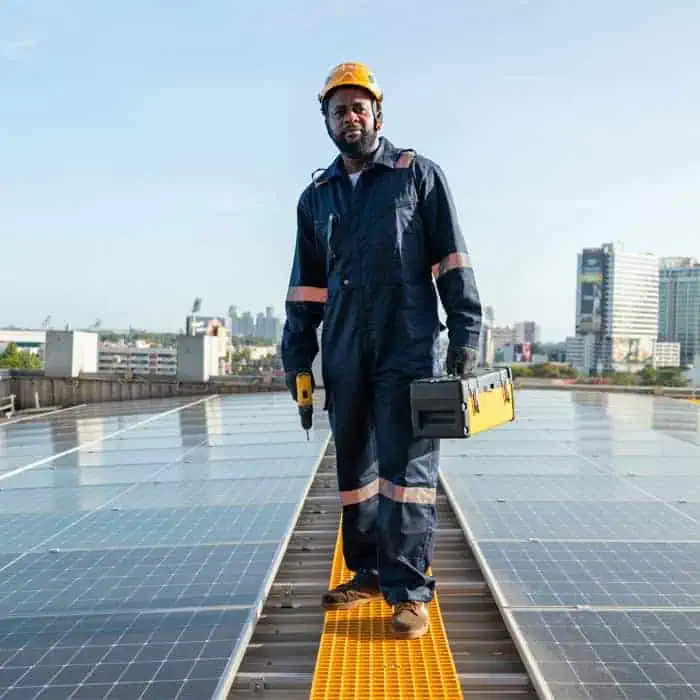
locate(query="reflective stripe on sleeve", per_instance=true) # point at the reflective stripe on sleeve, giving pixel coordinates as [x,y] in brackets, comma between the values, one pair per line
[453,261]
[317,294]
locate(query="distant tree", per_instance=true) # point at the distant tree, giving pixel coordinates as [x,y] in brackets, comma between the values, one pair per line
[648,376]
[671,376]
[14,358]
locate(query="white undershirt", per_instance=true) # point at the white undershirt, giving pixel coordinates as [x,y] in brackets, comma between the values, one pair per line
[354,177]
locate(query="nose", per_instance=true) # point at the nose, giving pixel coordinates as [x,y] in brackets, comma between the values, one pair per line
[351,118]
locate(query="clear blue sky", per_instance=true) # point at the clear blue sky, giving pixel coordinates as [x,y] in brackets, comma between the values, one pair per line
[154,151]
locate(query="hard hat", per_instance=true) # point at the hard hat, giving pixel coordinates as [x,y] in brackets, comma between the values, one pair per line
[351,74]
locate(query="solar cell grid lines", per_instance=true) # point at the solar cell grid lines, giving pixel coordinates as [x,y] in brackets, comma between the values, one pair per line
[132,566]
[592,557]
[135,579]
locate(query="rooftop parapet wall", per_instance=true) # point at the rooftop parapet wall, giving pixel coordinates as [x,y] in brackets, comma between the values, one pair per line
[71,391]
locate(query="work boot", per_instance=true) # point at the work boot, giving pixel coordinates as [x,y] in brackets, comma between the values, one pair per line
[410,620]
[349,595]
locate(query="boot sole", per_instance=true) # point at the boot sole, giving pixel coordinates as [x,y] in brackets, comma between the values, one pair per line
[410,634]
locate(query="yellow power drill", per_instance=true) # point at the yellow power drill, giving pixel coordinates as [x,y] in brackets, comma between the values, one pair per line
[305,400]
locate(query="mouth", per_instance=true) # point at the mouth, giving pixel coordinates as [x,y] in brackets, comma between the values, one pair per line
[352,132]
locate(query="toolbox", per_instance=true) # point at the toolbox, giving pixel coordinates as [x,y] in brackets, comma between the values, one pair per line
[459,407]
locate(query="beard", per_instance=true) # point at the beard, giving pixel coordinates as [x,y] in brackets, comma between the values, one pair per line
[355,145]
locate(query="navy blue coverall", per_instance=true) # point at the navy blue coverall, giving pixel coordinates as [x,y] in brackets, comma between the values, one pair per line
[364,265]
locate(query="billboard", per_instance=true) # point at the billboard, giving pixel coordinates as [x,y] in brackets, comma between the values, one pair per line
[204,325]
[632,351]
[590,282]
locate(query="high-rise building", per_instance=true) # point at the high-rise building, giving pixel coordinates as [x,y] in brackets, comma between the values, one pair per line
[487,348]
[527,332]
[679,305]
[502,335]
[617,307]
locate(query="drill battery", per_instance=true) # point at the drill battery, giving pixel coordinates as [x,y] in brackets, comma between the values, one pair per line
[454,407]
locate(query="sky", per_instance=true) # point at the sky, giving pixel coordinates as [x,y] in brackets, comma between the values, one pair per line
[152,152]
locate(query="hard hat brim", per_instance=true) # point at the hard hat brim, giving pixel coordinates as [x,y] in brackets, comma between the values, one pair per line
[351,75]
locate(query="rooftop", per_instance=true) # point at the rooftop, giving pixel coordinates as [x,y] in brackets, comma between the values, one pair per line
[138,540]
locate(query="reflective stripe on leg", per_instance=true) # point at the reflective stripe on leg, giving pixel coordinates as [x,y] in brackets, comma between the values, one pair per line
[407,494]
[364,493]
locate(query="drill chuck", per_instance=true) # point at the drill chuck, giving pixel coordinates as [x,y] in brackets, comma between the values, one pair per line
[306,415]
[305,400]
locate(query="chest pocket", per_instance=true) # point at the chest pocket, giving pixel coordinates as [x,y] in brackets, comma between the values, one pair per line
[403,240]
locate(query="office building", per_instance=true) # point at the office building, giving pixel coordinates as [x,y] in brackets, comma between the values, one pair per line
[502,335]
[580,352]
[265,326]
[617,308]
[679,305]
[666,355]
[487,348]
[129,359]
[526,332]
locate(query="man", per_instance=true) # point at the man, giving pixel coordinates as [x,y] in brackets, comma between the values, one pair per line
[373,230]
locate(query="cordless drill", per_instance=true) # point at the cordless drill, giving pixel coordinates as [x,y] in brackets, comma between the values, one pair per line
[305,400]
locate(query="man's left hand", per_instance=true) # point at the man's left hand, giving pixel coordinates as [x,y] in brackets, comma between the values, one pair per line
[461,360]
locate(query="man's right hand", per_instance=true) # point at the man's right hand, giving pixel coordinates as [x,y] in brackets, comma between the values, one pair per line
[461,360]
[290,379]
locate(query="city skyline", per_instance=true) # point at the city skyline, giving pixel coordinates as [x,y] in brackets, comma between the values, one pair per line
[148,161]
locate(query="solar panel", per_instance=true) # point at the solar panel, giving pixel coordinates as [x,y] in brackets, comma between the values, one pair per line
[155,655]
[593,555]
[641,520]
[136,579]
[617,655]
[178,526]
[137,570]
[572,573]
[540,487]
[515,464]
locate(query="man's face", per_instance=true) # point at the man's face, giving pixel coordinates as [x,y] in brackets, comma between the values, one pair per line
[351,121]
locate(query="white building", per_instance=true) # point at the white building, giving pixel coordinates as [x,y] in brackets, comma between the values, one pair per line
[617,307]
[631,321]
[502,335]
[526,332]
[667,355]
[122,359]
[487,349]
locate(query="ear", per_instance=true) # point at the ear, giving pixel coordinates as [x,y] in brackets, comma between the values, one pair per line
[378,117]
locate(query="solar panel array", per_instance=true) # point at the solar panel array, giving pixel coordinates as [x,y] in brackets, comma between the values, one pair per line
[585,514]
[138,540]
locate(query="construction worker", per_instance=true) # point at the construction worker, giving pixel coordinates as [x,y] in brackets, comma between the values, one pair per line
[373,231]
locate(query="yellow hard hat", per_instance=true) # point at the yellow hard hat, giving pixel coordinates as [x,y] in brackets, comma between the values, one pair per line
[351,74]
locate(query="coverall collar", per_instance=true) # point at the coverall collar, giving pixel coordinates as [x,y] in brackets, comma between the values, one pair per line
[386,154]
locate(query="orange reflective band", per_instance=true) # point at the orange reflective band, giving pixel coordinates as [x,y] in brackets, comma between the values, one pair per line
[453,261]
[405,159]
[364,493]
[318,294]
[407,494]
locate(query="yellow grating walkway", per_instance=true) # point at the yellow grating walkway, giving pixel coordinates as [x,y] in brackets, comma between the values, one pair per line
[359,659]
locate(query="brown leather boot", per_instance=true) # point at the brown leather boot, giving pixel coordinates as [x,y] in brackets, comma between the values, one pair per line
[410,620]
[351,594]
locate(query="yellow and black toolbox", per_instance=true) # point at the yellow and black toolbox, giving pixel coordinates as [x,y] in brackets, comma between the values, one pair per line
[454,407]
